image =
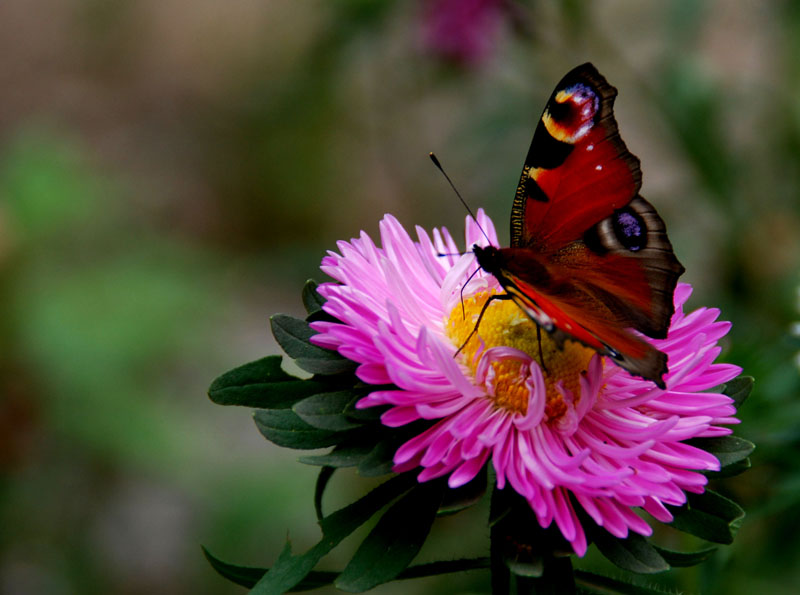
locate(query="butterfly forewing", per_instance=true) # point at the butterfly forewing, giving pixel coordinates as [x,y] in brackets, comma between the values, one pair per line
[578,170]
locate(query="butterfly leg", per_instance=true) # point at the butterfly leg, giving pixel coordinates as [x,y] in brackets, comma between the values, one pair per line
[497,296]
[541,353]
[463,309]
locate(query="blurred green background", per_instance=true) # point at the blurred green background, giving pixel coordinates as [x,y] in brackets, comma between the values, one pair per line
[171,172]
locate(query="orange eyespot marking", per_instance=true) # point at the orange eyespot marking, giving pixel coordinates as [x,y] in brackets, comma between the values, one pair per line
[570,115]
[564,95]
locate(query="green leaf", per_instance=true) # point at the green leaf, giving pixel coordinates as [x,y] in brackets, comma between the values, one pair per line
[343,455]
[728,449]
[289,570]
[633,553]
[262,384]
[394,541]
[444,567]
[531,566]
[739,389]
[553,575]
[293,335]
[323,478]
[596,584]
[683,559]
[731,451]
[285,428]
[327,410]
[247,576]
[379,461]
[314,580]
[729,470]
[312,301]
[709,516]
[457,499]
[370,413]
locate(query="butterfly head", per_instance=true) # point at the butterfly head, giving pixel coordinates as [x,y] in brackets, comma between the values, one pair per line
[489,258]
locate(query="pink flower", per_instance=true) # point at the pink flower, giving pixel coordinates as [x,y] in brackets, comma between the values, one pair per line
[579,425]
[461,30]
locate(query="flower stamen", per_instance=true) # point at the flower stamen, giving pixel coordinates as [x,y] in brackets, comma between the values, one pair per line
[505,325]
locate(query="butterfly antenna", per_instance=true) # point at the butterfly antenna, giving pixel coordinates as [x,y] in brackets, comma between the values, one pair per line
[458,194]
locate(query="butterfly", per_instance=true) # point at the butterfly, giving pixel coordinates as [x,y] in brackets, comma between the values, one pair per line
[589,258]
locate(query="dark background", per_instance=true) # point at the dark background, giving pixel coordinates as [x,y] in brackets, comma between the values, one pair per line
[171,172]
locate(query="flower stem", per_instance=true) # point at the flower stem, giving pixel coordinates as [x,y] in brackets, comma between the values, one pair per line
[519,546]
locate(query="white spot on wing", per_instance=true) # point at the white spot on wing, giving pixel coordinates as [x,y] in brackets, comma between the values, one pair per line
[599,168]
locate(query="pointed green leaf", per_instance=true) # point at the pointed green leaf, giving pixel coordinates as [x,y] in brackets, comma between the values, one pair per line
[314,580]
[596,584]
[739,389]
[327,410]
[444,567]
[370,413]
[552,575]
[531,566]
[394,541]
[247,576]
[709,516]
[683,559]
[323,478]
[731,451]
[379,460]
[728,449]
[285,428]
[633,553]
[289,570]
[457,499]
[729,470]
[293,335]
[312,301]
[343,455]
[262,384]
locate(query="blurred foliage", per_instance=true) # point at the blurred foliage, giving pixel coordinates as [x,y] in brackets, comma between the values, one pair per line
[171,172]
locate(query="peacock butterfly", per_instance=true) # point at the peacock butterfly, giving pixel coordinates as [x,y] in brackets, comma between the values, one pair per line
[589,258]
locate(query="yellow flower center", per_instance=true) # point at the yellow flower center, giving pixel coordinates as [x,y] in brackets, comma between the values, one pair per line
[504,324]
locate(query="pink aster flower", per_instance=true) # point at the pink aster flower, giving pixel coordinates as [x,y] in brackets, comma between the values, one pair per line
[578,426]
[462,30]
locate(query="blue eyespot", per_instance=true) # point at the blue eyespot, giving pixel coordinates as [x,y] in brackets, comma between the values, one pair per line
[630,229]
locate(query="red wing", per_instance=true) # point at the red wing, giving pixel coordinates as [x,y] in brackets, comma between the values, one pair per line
[578,171]
[621,275]
[573,311]
[589,257]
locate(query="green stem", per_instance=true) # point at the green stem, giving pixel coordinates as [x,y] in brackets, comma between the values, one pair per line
[501,575]
[519,546]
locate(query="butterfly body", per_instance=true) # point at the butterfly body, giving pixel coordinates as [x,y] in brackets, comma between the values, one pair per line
[589,258]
